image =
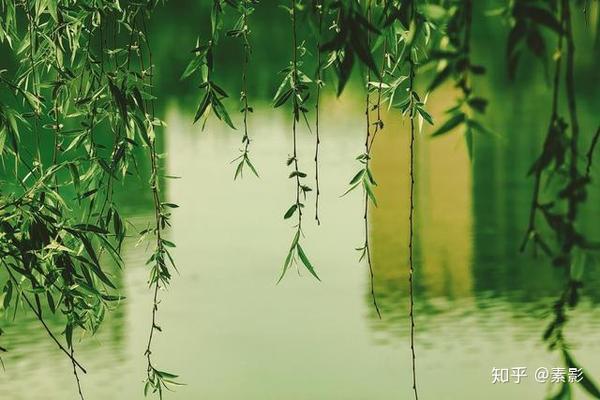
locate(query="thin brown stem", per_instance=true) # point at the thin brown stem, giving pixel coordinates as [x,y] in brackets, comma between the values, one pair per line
[155,276]
[246,138]
[319,7]
[160,262]
[572,105]
[590,154]
[411,243]
[76,373]
[368,142]
[411,85]
[294,77]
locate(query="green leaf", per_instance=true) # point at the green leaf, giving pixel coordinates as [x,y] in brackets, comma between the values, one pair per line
[51,303]
[8,291]
[351,188]
[90,228]
[69,334]
[469,141]
[306,262]
[297,173]
[370,193]
[450,124]
[279,101]
[119,99]
[238,169]
[286,264]
[538,15]
[2,139]
[433,11]
[52,9]
[192,67]
[478,127]
[167,375]
[168,243]
[202,108]
[221,112]
[564,394]
[74,175]
[478,104]
[440,78]
[425,115]
[370,176]
[578,265]
[586,382]
[251,166]
[290,211]
[357,177]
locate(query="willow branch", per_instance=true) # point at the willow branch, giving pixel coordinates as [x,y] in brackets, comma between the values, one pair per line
[411,85]
[590,153]
[368,142]
[531,228]
[43,322]
[572,105]
[319,7]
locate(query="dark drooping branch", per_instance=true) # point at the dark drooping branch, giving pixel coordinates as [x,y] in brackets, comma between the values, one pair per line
[412,113]
[550,152]
[368,179]
[319,84]
[590,154]
[242,30]
[560,153]
[294,89]
[364,178]
[40,318]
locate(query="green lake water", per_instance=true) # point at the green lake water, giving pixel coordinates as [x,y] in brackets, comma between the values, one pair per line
[231,333]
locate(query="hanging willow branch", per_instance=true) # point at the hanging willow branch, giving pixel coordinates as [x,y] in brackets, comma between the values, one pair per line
[319,84]
[364,177]
[413,106]
[457,64]
[160,276]
[411,231]
[411,79]
[294,88]
[57,109]
[49,242]
[161,260]
[203,63]
[14,285]
[559,157]
[551,152]
[242,30]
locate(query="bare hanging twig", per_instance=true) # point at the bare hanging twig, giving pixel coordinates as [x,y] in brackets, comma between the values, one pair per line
[572,105]
[590,153]
[368,143]
[319,9]
[411,85]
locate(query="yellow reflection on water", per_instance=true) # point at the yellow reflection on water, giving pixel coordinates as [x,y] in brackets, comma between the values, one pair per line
[442,216]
